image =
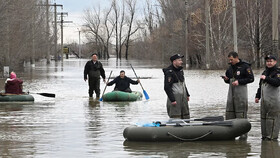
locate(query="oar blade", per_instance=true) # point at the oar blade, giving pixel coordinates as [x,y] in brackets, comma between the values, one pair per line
[211,118]
[101,99]
[51,95]
[146,95]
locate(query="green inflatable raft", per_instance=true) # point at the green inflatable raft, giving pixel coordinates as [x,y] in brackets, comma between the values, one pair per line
[16,97]
[220,130]
[122,96]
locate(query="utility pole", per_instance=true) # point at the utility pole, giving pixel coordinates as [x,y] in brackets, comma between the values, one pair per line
[186,35]
[207,12]
[275,28]
[61,27]
[55,26]
[55,33]
[33,42]
[79,43]
[234,26]
[48,32]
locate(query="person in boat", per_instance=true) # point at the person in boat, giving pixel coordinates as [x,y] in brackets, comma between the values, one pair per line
[268,92]
[123,82]
[176,90]
[13,85]
[238,75]
[92,72]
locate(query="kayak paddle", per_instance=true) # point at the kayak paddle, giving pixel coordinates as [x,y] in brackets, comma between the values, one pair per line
[101,99]
[47,94]
[145,93]
[51,95]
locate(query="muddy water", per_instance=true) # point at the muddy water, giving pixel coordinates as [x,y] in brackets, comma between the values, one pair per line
[71,125]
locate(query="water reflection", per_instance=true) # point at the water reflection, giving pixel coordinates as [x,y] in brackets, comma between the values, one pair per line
[21,129]
[189,149]
[71,125]
[270,149]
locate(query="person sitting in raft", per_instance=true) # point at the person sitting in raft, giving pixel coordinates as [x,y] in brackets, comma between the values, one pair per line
[13,85]
[122,82]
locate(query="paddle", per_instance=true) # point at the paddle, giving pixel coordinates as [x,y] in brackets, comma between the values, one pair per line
[208,118]
[145,93]
[216,123]
[51,95]
[101,99]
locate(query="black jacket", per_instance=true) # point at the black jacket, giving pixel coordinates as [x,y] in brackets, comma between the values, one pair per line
[122,83]
[272,78]
[90,66]
[240,71]
[172,75]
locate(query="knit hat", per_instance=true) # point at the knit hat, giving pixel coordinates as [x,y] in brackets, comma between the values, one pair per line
[13,75]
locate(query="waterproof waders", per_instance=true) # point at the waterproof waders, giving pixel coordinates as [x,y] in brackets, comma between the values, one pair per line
[94,83]
[237,101]
[181,109]
[270,111]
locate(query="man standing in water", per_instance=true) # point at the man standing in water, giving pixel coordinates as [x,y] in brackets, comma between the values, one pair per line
[270,103]
[176,90]
[238,75]
[93,70]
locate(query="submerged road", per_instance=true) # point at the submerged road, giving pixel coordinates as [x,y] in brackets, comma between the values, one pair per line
[71,125]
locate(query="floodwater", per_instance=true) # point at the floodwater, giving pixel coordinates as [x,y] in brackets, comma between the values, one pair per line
[72,125]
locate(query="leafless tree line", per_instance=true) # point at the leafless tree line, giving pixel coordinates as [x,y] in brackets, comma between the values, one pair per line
[23,32]
[166,22]
[112,28]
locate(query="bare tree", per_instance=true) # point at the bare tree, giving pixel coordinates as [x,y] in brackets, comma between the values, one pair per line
[21,29]
[131,8]
[257,28]
[98,31]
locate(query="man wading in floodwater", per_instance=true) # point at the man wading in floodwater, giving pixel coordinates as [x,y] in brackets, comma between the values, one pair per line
[93,70]
[268,92]
[238,75]
[176,90]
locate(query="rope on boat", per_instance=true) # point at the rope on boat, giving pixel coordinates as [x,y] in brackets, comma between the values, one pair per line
[194,139]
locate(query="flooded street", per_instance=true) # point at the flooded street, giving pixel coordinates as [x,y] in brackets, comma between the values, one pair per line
[71,125]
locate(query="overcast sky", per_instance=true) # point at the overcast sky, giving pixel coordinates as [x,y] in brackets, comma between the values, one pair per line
[75,9]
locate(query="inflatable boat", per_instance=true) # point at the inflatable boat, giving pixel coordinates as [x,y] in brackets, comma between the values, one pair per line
[217,130]
[122,96]
[16,97]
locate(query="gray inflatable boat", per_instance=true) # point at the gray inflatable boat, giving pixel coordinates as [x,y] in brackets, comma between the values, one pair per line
[222,130]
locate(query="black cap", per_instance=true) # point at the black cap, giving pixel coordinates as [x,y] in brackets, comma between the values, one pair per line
[93,54]
[270,57]
[176,56]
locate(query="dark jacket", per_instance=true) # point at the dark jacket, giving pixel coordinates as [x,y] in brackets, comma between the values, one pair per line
[272,78]
[90,66]
[173,75]
[13,86]
[240,71]
[122,83]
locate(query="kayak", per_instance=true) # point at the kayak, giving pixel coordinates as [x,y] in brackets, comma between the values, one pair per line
[122,96]
[16,97]
[191,132]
